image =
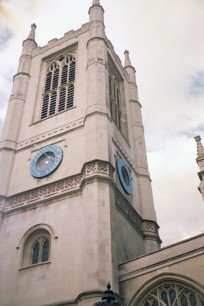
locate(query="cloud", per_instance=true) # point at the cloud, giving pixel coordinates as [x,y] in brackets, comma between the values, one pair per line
[5,35]
[197,84]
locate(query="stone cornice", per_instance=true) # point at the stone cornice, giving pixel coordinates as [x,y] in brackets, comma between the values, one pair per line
[145,228]
[159,264]
[30,39]
[51,133]
[135,101]
[150,230]
[19,73]
[97,169]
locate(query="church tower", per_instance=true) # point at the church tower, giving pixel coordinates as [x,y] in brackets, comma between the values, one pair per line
[200,162]
[75,189]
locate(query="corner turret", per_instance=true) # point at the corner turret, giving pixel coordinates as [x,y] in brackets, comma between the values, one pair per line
[16,103]
[141,155]
[96,12]
[200,162]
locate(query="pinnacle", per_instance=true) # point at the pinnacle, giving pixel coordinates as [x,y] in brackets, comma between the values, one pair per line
[96,2]
[200,149]
[32,31]
[127,59]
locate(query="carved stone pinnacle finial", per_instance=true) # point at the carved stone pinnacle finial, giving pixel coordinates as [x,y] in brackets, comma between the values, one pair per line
[200,149]
[108,286]
[32,31]
[127,59]
[33,26]
[96,2]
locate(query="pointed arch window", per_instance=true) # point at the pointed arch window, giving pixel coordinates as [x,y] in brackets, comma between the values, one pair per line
[40,250]
[36,249]
[59,86]
[170,294]
[35,252]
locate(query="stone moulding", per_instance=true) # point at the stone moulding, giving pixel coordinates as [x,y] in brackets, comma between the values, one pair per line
[96,168]
[150,226]
[97,60]
[128,211]
[2,203]
[143,227]
[51,133]
[151,230]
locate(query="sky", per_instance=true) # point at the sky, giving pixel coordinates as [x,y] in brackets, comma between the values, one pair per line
[166,45]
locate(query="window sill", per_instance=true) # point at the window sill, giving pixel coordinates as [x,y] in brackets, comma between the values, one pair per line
[51,116]
[35,265]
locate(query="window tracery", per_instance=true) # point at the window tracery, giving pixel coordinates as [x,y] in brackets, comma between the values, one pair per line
[59,86]
[40,250]
[173,295]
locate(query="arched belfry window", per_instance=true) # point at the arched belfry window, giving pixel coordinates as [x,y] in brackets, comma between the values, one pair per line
[172,294]
[36,249]
[59,86]
[115,99]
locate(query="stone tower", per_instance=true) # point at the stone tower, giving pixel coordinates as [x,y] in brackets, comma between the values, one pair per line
[200,162]
[75,190]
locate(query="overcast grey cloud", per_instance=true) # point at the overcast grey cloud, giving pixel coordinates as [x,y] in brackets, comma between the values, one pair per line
[165,40]
[197,85]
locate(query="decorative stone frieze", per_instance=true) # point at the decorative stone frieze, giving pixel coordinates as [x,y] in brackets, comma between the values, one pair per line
[144,227]
[138,124]
[17,95]
[128,211]
[70,184]
[51,133]
[150,228]
[97,60]
[2,203]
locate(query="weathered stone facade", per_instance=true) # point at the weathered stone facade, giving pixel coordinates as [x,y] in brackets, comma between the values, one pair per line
[65,234]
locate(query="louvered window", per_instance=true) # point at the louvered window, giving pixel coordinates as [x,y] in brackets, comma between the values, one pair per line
[115,99]
[59,86]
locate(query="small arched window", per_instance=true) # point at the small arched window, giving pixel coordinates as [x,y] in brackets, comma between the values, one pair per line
[59,86]
[36,248]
